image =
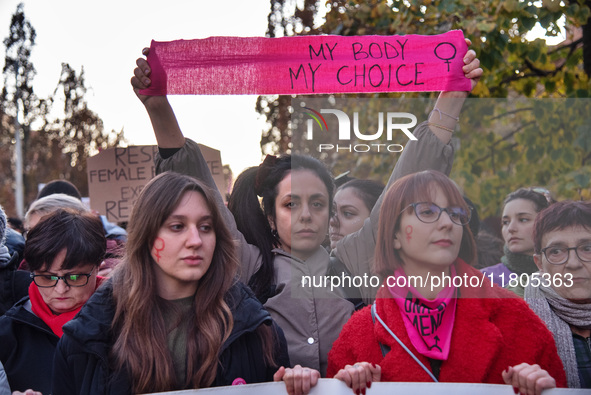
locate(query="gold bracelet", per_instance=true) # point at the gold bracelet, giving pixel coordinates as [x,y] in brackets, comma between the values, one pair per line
[440,126]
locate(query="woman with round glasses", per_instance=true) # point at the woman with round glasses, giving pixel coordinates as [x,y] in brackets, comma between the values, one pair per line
[560,293]
[436,318]
[63,251]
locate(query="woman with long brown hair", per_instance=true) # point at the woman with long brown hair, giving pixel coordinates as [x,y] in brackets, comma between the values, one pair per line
[174,316]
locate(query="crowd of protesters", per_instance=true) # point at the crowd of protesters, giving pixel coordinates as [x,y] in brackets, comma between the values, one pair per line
[196,294]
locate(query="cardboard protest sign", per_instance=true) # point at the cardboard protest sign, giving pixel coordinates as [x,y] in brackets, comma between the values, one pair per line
[337,387]
[116,176]
[308,65]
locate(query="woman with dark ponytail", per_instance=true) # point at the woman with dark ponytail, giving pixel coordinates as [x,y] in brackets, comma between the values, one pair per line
[289,228]
[254,225]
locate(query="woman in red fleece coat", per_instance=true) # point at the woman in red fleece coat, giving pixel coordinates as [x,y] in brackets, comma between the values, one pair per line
[451,324]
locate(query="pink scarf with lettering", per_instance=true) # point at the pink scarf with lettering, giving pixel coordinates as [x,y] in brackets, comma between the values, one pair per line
[308,65]
[429,323]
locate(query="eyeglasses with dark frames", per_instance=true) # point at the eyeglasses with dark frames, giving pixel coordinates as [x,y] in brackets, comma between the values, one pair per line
[559,255]
[428,212]
[71,280]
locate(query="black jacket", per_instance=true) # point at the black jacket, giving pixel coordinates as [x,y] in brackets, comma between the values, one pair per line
[81,363]
[15,243]
[14,284]
[27,347]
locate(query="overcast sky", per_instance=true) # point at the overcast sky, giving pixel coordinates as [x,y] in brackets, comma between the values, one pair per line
[107,36]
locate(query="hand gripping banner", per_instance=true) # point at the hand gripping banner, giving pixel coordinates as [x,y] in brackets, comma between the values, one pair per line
[308,65]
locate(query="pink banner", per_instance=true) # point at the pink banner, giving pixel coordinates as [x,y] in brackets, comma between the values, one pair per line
[308,65]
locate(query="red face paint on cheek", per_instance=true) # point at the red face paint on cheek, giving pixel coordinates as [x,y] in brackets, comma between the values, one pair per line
[408,231]
[158,247]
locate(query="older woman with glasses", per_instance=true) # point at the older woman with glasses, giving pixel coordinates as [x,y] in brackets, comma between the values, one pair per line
[63,251]
[560,293]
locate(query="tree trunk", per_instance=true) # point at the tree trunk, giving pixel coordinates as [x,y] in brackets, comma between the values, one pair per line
[587,43]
